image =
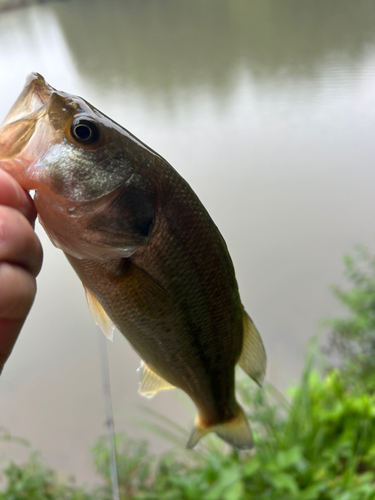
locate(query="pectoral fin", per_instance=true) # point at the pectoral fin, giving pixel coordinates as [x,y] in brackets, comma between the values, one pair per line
[150,382]
[145,294]
[148,296]
[100,316]
[253,356]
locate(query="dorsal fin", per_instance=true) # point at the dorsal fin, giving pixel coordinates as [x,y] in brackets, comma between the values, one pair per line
[100,316]
[253,356]
[150,382]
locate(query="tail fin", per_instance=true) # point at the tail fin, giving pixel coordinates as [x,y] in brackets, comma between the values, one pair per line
[235,432]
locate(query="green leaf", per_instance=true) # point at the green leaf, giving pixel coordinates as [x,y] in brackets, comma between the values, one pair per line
[234,492]
[311,492]
[288,458]
[284,482]
[226,479]
[253,465]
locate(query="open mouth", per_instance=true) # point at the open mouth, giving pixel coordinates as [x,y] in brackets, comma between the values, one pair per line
[34,96]
[20,123]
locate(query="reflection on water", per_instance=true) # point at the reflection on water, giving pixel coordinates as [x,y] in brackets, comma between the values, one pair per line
[30,40]
[268,110]
[169,45]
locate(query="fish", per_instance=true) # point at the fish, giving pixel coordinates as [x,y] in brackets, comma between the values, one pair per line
[152,261]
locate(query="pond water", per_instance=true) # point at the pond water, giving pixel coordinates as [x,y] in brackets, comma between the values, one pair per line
[268,110]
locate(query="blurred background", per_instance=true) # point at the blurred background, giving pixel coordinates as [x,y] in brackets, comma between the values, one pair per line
[267,109]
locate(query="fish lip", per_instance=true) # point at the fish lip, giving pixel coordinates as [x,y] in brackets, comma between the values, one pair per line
[39,87]
[33,100]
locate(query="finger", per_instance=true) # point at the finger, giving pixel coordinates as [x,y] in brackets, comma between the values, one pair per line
[18,241]
[17,293]
[9,330]
[12,195]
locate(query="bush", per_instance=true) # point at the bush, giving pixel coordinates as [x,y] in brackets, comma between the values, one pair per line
[353,337]
[321,446]
[33,481]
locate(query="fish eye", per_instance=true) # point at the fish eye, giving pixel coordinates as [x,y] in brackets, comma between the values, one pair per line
[84,131]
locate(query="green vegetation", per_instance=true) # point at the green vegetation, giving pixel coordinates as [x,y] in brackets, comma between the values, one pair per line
[33,481]
[319,446]
[353,337]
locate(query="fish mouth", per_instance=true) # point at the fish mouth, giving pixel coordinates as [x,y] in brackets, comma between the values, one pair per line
[21,121]
[33,99]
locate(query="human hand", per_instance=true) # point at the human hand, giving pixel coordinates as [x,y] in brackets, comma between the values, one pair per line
[21,258]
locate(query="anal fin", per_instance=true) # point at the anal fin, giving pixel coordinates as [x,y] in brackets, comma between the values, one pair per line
[100,316]
[253,356]
[150,382]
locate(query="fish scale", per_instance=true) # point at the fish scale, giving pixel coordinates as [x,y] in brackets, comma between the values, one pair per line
[194,330]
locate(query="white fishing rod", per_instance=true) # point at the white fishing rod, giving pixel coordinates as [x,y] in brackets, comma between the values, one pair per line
[108,415]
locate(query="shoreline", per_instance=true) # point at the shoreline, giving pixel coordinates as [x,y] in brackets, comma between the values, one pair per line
[6,5]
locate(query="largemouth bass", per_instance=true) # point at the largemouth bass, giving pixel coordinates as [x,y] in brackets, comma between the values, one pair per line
[152,261]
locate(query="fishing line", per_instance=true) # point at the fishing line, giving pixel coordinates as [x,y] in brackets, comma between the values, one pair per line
[109,423]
